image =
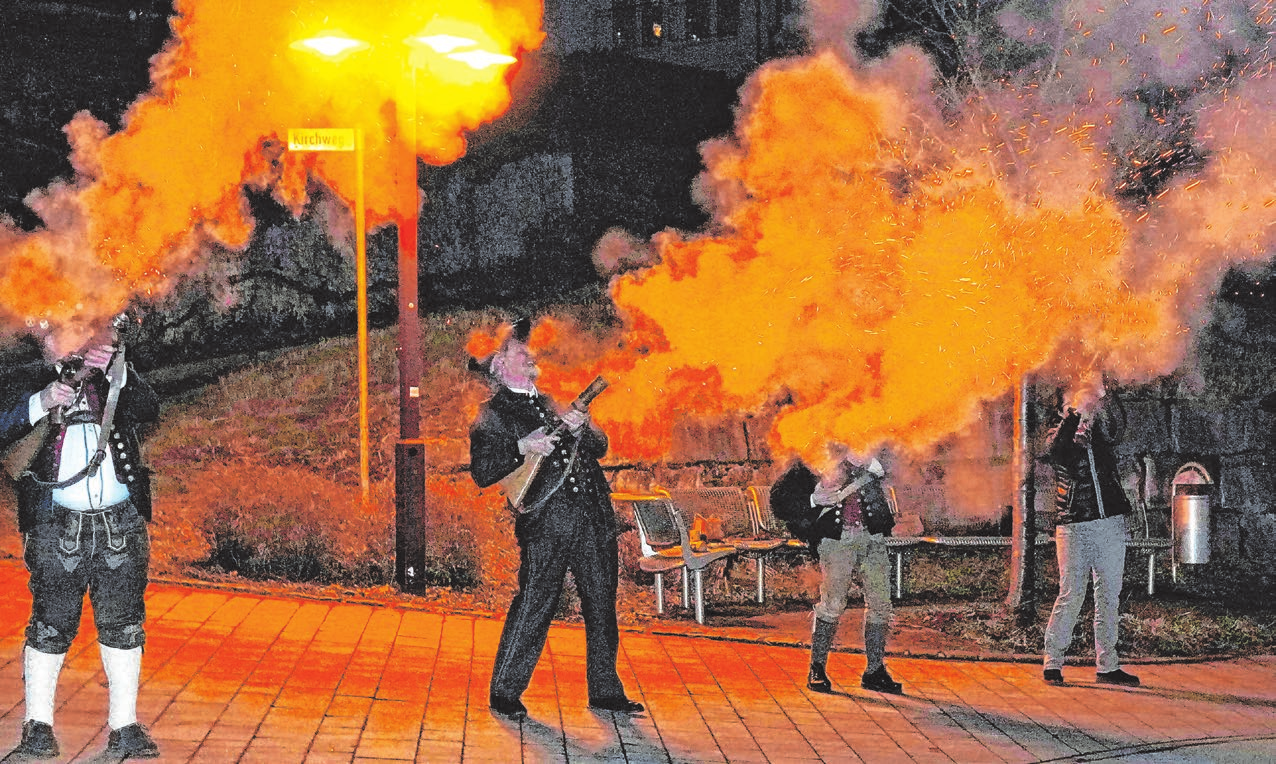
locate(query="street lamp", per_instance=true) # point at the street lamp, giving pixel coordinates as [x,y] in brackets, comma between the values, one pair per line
[409,458]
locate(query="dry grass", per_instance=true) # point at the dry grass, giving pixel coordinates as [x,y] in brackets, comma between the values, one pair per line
[1220,611]
[258,476]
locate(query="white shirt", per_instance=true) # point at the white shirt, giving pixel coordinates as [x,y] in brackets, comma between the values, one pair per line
[78,446]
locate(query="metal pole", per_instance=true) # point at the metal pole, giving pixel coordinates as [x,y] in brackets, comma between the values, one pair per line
[409,486]
[1151,573]
[699,596]
[1022,598]
[409,275]
[361,279]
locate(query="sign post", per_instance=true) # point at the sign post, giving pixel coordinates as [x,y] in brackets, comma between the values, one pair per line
[349,139]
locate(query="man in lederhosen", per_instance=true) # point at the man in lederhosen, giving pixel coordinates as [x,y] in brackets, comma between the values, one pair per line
[83,504]
[567,523]
[844,518]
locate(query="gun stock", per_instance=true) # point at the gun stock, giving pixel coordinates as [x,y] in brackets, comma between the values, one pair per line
[516,483]
[21,454]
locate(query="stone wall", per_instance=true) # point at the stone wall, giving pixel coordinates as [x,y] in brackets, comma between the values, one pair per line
[1233,441]
[1165,431]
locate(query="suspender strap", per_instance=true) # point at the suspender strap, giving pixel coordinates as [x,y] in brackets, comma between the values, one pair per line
[115,375]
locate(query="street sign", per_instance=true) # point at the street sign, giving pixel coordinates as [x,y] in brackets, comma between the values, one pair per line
[350,139]
[321,139]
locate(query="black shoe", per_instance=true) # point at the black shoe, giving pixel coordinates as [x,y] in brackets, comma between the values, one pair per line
[880,681]
[38,741]
[1117,677]
[818,680]
[622,704]
[132,742]
[1053,676]
[508,707]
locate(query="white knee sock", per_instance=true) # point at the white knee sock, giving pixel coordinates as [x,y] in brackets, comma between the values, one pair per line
[123,673]
[41,671]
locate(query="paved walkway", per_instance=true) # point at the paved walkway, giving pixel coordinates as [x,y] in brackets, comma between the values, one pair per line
[240,677]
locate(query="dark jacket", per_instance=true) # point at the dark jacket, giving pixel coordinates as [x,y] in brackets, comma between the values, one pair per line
[791,503]
[557,498]
[137,405]
[1075,496]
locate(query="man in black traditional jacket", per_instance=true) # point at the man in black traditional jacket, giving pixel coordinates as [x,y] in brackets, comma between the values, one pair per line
[567,523]
[844,518]
[84,500]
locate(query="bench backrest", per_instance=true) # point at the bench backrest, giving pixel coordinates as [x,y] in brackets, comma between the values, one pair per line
[729,504]
[657,525]
[760,498]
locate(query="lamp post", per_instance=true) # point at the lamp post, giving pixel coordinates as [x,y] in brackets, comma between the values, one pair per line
[409,457]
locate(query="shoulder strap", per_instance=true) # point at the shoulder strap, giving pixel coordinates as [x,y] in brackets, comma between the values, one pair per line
[115,374]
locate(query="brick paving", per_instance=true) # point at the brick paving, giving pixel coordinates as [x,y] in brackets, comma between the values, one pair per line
[248,677]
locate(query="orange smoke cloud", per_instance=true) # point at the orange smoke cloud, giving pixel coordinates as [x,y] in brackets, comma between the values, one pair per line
[878,271]
[884,301]
[225,91]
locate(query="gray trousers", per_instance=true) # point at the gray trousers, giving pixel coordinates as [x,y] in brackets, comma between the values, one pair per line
[863,552]
[1090,550]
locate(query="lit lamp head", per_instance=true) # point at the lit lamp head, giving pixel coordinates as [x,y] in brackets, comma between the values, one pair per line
[442,43]
[334,46]
[481,59]
[460,48]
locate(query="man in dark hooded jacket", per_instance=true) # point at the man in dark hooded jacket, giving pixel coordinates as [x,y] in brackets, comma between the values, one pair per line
[1090,533]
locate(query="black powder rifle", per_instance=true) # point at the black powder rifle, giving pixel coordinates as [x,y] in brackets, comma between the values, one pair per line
[516,483]
[18,458]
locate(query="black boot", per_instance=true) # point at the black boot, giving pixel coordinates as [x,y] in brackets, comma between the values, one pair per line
[822,634]
[876,678]
[818,680]
[880,681]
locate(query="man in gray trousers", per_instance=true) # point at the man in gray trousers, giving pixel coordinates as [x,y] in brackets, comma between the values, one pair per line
[1090,532]
[844,518]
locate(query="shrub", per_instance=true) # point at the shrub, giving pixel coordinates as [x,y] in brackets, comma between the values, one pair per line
[286,523]
[465,535]
[290,524]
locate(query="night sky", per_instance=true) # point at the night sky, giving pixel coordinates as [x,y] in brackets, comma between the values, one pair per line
[59,58]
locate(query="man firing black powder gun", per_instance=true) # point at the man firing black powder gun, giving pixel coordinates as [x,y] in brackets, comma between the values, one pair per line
[84,501]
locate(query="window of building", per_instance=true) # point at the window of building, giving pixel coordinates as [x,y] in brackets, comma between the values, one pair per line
[712,18]
[638,23]
[653,23]
[728,15]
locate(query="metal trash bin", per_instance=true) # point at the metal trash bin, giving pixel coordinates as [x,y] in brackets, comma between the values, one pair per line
[1191,492]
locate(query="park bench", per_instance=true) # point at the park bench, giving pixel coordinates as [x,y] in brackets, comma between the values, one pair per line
[664,519]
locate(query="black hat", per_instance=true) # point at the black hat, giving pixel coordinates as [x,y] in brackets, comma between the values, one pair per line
[481,366]
[520,330]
